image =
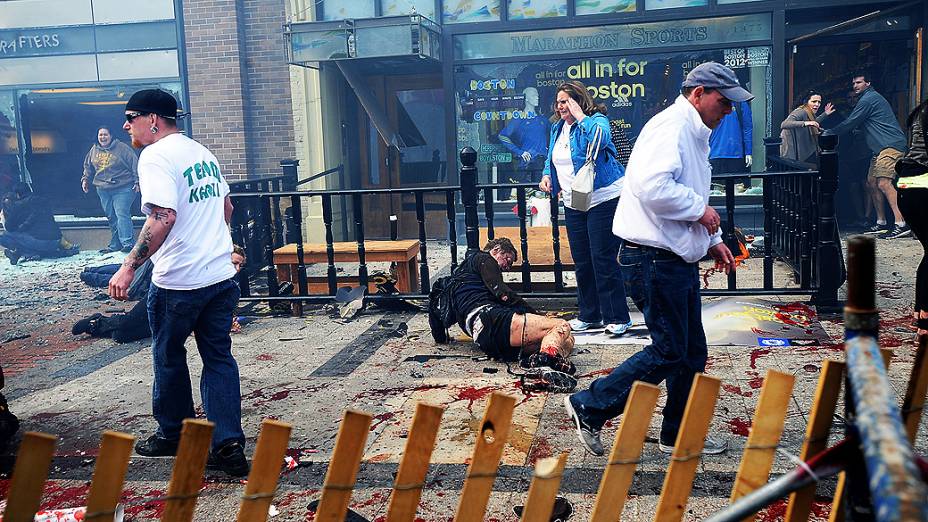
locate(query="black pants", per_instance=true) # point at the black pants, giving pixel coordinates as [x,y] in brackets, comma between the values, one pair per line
[913,203]
[127,327]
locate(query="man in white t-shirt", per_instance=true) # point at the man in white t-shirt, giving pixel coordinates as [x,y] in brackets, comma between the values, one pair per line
[187,237]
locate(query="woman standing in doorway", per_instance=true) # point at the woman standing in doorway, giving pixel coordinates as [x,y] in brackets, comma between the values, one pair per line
[113,166]
[800,130]
[913,202]
[593,246]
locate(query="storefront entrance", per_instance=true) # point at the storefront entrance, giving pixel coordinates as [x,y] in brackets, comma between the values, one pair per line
[415,112]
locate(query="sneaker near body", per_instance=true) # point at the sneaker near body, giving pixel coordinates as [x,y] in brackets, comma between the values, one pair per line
[897,232]
[86,325]
[230,458]
[875,228]
[712,446]
[589,436]
[156,446]
[581,326]
[618,329]
[12,255]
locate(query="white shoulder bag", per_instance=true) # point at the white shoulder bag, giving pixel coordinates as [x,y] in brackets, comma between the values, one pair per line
[581,190]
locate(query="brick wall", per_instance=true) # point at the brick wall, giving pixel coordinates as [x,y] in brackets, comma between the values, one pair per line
[238,79]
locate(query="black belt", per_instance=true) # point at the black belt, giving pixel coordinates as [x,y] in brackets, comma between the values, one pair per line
[661,251]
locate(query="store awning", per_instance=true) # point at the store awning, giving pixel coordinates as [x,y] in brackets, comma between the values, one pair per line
[407,37]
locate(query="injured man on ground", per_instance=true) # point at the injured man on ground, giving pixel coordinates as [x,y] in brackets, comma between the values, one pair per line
[500,322]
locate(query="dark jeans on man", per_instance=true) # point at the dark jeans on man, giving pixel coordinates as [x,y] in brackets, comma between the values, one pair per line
[125,328]
[593,246]
[207,312]
[99,276]
[25,245]
[666,290]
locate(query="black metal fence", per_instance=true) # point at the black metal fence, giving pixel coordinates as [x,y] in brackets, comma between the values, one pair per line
[799,228]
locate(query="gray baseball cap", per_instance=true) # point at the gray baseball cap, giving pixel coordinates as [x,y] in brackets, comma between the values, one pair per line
[716,76]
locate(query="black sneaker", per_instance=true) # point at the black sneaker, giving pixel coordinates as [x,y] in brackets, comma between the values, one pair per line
[12,255]
[588,436]
[156,446]
[875,228]
[536,362]
[230,458]
[897,232]
[86,325]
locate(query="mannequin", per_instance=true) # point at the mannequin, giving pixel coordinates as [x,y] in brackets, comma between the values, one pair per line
[730,143]
[527,139]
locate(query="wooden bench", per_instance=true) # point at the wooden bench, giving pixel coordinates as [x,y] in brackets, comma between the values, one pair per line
[540,247]
[403,252]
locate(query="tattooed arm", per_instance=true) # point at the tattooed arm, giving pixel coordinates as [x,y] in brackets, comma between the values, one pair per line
[154,231]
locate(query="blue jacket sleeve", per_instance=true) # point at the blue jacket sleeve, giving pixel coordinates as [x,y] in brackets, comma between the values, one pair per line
[860,113]
[747,128]
[505,137]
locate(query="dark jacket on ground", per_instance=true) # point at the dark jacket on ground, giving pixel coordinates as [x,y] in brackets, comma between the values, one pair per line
[31,215]
[875,116]
[113,167]
[478,281]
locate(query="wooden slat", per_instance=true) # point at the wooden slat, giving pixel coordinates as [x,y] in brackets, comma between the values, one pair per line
[265,471]
[766,429]
[407,489]
[543,491]
[109,474]
[187,477]
[29,474]
[343,468]
[690,440]
[914,401]
[837,505]
[823,409]
[491,439]
[626,450]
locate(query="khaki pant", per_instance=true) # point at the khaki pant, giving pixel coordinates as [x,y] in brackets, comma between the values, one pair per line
[883,165]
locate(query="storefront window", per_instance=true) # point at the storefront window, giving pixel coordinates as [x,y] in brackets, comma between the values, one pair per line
[55,145]
[401,7]
[342,9]
[585,7]
[520,9]
[504,109]
[653,5]
[9,146]
[735,1]
[455,11]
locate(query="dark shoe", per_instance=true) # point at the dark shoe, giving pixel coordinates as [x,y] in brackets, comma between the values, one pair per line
[897,232]
[155,446]
[539,360]
[86,325]
[588,435]
[875,228]
[107,250]
[230,458]
[127,249]
[12,255]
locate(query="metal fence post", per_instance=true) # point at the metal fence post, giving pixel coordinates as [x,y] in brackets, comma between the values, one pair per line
[772,146]
[289,168]
[829,257]
[469,197]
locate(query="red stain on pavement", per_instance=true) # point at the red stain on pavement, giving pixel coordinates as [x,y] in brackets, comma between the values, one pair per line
[756,382]
[540,449]
[739,426]
[264,357]
[381,418]
[597,373]
[143,504]
[57,496]
[795,314]
[756,354]
[736,390]
[472,394]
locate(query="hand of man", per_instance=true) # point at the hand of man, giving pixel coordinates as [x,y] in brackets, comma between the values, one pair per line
[119,283]
[711,220]
[527,156]
[85,186]
[545,184]
[723,259]
[748,161]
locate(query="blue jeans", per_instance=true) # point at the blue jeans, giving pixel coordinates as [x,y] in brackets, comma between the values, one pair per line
[600,293]
[207,312]
[99,276]
[666,290]
[26,245]
[117,205]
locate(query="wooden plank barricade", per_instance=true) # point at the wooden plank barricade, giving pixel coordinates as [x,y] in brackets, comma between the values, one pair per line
[36,451]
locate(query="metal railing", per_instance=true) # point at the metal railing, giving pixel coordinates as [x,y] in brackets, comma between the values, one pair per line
[799,228]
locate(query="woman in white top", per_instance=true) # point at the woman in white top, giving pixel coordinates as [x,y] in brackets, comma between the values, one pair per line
[593,246]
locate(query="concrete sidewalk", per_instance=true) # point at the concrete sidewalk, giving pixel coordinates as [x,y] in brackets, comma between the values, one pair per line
[307,371]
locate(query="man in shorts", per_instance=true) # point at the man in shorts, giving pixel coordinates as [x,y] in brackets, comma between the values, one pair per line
[887,144]
[501,323]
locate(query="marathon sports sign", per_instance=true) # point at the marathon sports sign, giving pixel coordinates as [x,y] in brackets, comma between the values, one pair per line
[640,37]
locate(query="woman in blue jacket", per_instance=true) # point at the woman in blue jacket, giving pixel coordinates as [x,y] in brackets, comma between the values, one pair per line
[593,246]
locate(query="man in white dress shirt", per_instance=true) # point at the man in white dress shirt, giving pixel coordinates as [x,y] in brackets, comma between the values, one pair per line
[667,226]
